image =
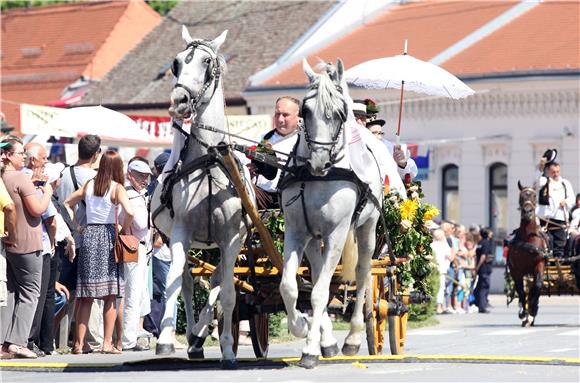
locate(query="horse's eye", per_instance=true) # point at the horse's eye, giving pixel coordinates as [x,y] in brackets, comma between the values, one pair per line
[175,68]
[207,60]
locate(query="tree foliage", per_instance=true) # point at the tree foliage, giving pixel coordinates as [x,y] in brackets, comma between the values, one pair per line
[160,6]
[8,4]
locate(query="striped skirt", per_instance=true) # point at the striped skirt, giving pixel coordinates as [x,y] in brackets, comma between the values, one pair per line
[98,273]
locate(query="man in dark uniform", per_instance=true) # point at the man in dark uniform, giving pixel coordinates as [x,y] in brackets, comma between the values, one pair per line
[483,268]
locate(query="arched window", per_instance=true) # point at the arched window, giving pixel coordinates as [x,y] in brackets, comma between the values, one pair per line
[498,201]
[450,192]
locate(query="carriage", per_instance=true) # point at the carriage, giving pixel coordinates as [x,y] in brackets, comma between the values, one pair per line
[206,196]
[386,305]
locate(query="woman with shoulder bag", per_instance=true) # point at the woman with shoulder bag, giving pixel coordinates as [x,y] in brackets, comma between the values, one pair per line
[99,275]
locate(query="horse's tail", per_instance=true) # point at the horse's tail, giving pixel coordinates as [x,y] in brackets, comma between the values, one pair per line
[349,258]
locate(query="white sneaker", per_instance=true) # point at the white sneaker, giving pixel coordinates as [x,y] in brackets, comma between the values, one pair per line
[472,309]
[144,334]
[450,310]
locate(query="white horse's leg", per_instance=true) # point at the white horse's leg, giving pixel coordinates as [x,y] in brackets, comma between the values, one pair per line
[328,343]
[229,254]
[293,250]
[320,293]
[200,330]
[174,282]
[366,244]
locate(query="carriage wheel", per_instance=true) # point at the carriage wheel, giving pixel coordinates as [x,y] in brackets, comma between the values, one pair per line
[397,323]
[395,337]
[260,334]
[404,319]
[375,323]
[235,325]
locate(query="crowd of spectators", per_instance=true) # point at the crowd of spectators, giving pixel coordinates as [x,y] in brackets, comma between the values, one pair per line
[58,226]
[464,258]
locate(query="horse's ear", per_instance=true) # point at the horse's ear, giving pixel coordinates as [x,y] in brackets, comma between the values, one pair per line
[185,35]
[218,41]
[308,70]
[520,185]
[339,69]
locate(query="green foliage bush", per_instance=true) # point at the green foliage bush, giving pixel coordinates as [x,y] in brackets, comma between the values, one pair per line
[422,312]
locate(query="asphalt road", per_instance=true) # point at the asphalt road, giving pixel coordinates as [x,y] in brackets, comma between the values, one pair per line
[496,335]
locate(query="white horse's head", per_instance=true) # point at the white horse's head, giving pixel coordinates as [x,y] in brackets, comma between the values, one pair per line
[324,111]
[197,70]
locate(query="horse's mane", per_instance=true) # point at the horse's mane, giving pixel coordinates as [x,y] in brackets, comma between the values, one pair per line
[329,99]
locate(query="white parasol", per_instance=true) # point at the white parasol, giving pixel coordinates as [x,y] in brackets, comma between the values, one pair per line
[406,72]
[106,123]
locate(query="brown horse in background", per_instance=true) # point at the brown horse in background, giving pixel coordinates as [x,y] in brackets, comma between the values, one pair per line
[527,256]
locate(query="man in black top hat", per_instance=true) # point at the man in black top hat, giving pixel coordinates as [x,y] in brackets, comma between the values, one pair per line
[555,199]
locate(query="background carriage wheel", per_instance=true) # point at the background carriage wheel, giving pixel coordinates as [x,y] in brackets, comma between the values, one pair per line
[235,325]
[259,332]
[375,324]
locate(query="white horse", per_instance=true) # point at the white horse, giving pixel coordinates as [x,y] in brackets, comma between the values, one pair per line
[319,204]
[204,210]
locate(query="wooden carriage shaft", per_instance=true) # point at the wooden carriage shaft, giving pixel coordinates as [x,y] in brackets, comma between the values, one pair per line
[250,208]
[206,269]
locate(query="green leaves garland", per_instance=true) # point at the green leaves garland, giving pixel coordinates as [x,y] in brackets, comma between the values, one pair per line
[408,223]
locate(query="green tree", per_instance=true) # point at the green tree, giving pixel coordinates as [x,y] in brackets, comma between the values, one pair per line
[162,6]
[8,4]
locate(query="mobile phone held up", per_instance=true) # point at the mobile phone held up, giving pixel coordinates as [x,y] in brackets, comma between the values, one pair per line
[39,183]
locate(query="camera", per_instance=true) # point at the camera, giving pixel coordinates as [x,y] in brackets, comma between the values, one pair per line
[39,183]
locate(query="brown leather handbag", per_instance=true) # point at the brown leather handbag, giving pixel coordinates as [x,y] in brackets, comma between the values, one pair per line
[126,246]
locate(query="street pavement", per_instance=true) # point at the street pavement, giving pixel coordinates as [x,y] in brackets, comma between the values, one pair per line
[523,354]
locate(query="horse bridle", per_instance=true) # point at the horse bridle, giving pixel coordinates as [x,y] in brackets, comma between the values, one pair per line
[532,202]
[212,74]
[326,145]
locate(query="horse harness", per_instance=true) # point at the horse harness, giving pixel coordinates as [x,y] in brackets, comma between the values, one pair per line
[212,73]
[523,244]
[326,145]
[182,170]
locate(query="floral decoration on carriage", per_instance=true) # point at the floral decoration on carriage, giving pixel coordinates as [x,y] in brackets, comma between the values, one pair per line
[408,223]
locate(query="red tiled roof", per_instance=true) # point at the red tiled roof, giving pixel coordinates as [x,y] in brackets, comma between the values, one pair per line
[546,37]
[430,27]
[46,48]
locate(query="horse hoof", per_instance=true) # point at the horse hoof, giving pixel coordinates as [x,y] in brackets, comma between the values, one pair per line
[195,341]
[350,350]
[522,314]
[309,361]
[164,349]
[229,364]
[195,353]
[330,351]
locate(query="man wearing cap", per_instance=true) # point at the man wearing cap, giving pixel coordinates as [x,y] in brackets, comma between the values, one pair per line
[555,199]
[137,303]
[406,165]
[383,159]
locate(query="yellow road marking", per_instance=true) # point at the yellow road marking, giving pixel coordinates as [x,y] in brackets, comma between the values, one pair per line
[356,360]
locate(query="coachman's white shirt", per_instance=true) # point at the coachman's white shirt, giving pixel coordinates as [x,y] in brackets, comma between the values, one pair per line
[557,194]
